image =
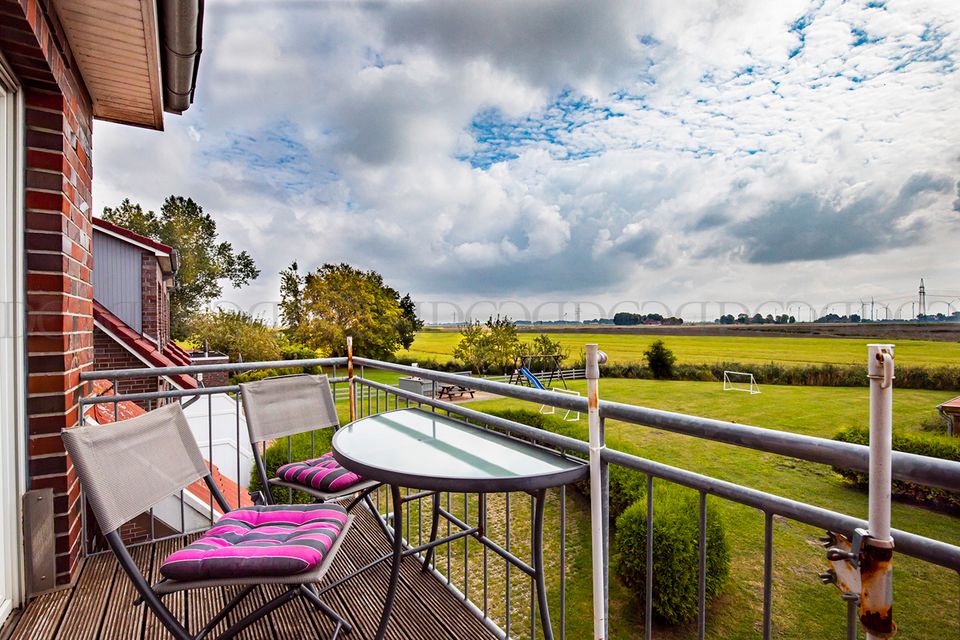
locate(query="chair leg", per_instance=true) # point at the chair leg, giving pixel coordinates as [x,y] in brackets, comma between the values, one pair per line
[207,628]
[261,611]
[309,592]
[376,516]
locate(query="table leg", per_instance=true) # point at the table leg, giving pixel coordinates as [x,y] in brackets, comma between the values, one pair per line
[397,557]
[434,526]
[539,500]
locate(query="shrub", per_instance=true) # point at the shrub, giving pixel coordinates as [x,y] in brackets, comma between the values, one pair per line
[277,455]
[660,360]
[675,552]
[924,444]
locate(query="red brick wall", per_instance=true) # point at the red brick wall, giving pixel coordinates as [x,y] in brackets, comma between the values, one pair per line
[57,177]
[111,355]
[149,295]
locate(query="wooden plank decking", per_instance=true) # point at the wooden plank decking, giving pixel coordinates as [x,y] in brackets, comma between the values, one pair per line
[99,606]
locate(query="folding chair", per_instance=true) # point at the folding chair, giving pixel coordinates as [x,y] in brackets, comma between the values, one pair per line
[286,406]
[129,466]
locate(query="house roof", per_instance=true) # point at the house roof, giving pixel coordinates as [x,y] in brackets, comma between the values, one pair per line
[132,237]
[138,58]
[144,348]
[103,413]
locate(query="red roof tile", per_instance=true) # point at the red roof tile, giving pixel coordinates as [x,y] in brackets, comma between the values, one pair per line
[132,235]
[173,351]
[103,413]
[143,347]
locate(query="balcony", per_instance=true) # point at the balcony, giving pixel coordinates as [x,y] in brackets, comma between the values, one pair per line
[470,593]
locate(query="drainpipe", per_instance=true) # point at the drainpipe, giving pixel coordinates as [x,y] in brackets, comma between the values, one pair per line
[181,39]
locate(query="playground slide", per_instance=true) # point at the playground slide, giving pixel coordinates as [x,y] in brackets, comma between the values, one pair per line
[532,379]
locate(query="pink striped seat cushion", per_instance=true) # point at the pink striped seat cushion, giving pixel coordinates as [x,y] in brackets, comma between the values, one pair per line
[323,474]
[261,541]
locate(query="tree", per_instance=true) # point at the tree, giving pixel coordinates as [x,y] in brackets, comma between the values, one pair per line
[339,301]
[291,297]
[494,344]
[409,322]
[237,334]
[204,262]
[660,359]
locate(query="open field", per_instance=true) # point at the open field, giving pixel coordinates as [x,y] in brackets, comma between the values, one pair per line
[925,596]
[622,347]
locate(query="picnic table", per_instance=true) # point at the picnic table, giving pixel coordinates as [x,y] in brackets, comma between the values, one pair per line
[451,390]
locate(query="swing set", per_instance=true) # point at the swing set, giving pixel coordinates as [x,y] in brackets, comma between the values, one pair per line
[524,376]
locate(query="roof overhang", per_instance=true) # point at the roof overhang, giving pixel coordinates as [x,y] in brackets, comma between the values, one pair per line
[137,57]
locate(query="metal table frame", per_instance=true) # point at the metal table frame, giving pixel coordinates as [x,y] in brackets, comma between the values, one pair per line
[535,485]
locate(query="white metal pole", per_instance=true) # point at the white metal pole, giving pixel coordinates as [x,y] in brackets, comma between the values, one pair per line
[594,358]
[351,386]
[877,577]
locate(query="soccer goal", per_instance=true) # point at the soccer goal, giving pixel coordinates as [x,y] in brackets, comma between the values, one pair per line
[740,381]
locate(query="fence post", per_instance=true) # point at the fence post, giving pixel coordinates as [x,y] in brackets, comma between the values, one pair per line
[876,562]
[350,385]
[595,358]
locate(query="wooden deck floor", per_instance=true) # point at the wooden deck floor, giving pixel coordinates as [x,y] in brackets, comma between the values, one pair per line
[100,605]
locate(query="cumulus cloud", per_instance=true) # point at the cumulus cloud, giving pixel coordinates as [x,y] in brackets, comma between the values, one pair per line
[561,148]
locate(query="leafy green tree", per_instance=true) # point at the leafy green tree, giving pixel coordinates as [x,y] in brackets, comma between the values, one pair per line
[409,322]
[473,347]
[494,344]
[339,301]
[660,359]
[204,261]
[237,334]
[291,297]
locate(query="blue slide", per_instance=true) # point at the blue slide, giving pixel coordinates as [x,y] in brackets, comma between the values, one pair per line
[532,379]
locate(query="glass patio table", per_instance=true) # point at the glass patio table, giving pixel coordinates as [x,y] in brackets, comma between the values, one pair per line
[432,452]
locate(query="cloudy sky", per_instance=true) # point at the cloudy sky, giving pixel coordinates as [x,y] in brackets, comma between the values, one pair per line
[608,153]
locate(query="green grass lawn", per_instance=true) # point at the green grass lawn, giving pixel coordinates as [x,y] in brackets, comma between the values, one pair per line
[439,345]
[925,596]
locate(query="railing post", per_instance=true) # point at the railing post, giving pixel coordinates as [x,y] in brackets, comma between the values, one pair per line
[350,384]
[595,358]
[876,563]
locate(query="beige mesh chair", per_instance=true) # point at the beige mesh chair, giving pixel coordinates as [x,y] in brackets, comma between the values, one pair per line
[128,467]
[286,406]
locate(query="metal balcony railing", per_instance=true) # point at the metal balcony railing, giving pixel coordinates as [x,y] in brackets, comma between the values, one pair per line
[500,597]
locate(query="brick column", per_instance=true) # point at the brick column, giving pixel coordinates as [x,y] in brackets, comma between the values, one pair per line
[57,178]
[149,296]
[59,298]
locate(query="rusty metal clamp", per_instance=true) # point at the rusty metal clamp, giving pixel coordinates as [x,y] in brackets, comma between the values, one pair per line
[862,567]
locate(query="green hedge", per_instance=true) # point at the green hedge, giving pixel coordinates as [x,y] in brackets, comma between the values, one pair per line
[676,553]
[924,444]
[277,455]
[820,375]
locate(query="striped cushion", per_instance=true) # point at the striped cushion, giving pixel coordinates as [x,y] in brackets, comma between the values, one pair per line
[323,474]
[274,540]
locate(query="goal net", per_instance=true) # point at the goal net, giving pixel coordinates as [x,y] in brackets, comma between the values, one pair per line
[740,381]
